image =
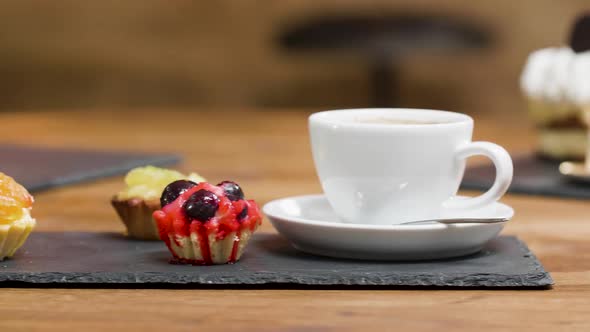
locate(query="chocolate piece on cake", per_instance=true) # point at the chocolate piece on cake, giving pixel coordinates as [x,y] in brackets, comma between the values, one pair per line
[580,36]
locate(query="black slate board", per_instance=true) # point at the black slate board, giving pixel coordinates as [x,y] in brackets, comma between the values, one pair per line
[59,259]
[39,168]
[533,175]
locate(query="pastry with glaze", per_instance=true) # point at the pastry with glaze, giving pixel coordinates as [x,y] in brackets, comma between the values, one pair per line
[204,224]
[16,222]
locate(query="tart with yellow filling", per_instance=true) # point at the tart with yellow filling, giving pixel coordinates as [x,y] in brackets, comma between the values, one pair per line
[141,197]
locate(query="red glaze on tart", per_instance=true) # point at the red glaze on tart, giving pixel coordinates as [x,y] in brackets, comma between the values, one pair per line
[203,224]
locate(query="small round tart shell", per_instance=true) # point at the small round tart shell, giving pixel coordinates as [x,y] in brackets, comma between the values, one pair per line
[14,235]
[136,214]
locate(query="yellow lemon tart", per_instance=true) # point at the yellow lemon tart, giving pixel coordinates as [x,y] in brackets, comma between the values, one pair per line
[137,202]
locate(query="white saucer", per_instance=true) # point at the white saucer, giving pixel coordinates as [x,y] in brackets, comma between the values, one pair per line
[309,223]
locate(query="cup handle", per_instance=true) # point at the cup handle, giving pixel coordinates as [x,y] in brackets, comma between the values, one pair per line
[504,169]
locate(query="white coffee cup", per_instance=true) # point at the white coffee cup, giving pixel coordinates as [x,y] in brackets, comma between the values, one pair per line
[388,166]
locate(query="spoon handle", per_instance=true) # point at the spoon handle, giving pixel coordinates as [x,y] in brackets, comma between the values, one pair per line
[458,221]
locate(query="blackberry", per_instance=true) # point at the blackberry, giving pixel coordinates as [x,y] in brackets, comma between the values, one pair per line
[201,206]
[175,189]
[232,190]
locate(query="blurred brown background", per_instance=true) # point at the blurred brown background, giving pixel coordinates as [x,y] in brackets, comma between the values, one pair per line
[72,54]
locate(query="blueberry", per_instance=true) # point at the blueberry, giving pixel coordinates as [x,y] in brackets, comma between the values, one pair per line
[175,189]
[232,190]
[201,206]
[243,214]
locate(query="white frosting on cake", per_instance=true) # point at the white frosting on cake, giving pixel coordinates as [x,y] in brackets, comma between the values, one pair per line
[557,75]
[579,81]
[547,73]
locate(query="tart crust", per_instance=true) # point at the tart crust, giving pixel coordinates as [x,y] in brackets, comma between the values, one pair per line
[136,214]
[14,235]
[189,249]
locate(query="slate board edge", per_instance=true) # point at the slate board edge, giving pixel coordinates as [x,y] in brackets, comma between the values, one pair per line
[539,279]
[467,185]
[87,176]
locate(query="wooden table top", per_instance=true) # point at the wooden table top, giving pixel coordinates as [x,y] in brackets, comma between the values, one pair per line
[267,153]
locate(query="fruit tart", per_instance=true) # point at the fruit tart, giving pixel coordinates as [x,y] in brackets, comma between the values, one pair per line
[203,224]
[138,201]
[16,222]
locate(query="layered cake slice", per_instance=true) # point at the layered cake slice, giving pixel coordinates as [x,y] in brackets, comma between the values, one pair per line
[556,83]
